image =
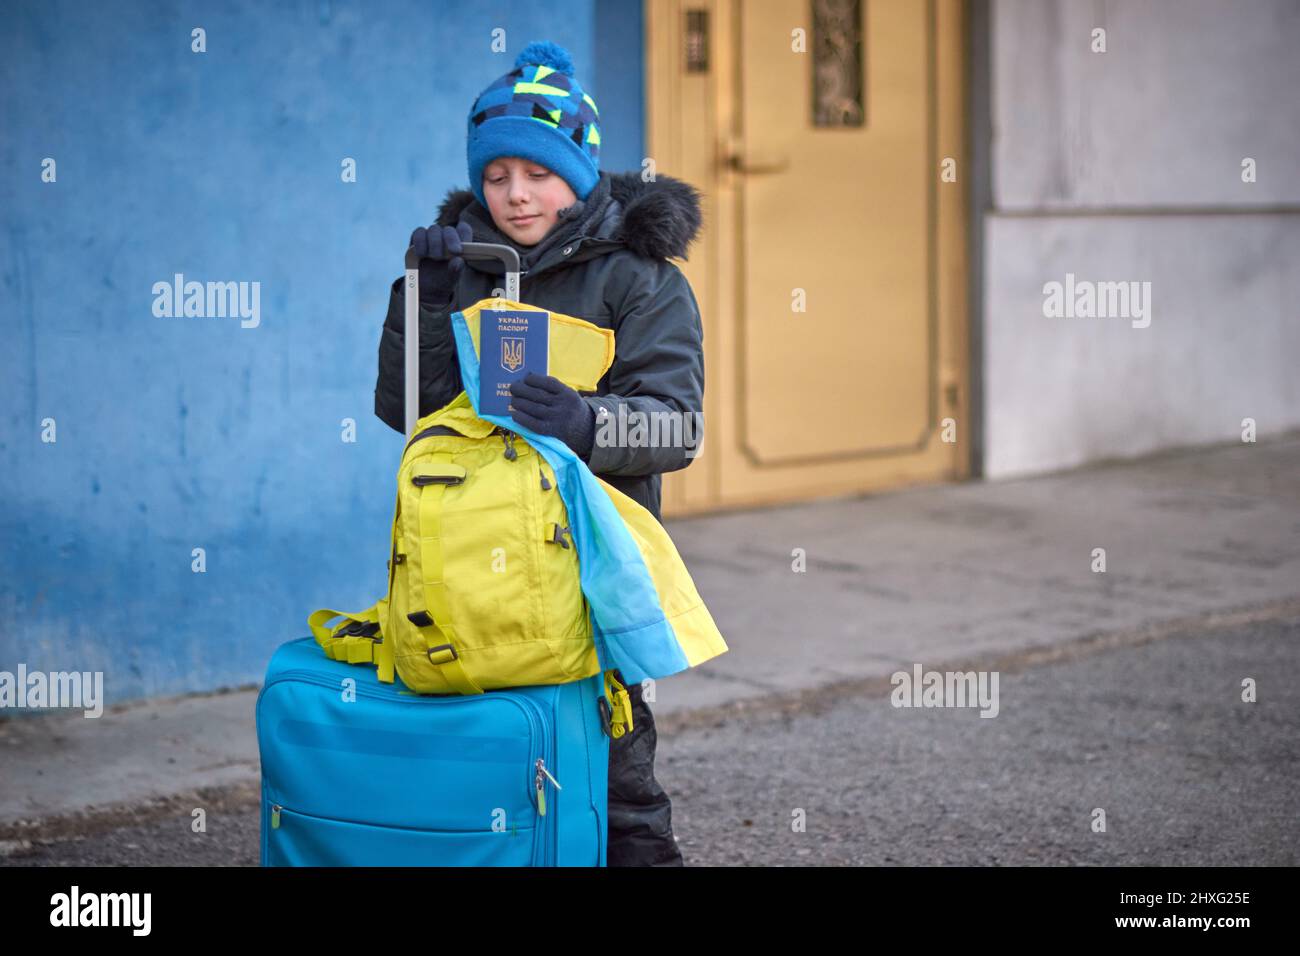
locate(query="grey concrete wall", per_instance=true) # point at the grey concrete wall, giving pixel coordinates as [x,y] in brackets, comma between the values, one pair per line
[1126,166]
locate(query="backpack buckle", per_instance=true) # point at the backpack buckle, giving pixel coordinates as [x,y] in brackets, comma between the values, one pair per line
[441,648]
[358,629]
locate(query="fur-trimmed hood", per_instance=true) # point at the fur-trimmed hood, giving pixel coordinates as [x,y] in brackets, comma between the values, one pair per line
[658,219]
[608,262]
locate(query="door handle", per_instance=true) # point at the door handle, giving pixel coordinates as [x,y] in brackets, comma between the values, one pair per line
[755,161]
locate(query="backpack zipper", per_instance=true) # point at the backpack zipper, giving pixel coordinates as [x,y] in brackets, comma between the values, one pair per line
[431,430]
[507,438]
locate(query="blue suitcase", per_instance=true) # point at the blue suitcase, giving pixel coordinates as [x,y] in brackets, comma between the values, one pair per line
[513,777]
[386,777]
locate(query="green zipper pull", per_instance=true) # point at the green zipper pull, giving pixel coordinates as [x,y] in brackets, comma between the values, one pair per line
[275,817]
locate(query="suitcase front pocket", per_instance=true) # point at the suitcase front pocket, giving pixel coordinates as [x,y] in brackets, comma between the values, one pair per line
[291,838]
[395,760]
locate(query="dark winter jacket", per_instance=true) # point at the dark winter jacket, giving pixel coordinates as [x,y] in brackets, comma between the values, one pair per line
[605,260]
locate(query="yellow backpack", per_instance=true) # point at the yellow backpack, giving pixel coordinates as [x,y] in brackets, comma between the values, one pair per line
[483,584]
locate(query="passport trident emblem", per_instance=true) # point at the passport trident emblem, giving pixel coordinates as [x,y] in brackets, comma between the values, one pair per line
[512,353]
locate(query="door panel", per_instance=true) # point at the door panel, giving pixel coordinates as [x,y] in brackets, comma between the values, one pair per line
[831,269]
[845,220]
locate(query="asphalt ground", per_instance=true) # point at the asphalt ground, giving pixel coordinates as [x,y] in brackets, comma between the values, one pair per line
[1150,728]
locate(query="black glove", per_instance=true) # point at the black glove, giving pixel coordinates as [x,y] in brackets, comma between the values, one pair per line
[439,249]
[549,407]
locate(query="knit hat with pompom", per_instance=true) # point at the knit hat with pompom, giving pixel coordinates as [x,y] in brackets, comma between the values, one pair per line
[537,111]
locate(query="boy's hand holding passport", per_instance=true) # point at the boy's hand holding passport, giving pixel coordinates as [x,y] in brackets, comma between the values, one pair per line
[513,379]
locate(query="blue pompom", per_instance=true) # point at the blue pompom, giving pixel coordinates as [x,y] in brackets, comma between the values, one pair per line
[545,53]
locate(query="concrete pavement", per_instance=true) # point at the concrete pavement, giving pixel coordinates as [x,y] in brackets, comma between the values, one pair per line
[928,575]
[1148,728]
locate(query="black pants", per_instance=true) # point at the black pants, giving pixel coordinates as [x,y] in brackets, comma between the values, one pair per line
[640,813]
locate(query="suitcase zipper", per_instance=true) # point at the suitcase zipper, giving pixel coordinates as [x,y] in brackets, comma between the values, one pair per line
[549,833]
[277,807]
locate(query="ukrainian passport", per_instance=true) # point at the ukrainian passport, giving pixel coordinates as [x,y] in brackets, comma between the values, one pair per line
[512,343]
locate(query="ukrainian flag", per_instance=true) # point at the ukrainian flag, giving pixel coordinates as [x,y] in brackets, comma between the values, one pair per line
[647,618]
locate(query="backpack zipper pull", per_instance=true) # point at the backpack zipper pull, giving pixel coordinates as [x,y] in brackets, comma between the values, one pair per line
[275,816]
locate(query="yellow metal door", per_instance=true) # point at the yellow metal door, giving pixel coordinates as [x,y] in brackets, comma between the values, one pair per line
[827,136]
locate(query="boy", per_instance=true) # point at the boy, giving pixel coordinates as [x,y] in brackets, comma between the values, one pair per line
[595,246]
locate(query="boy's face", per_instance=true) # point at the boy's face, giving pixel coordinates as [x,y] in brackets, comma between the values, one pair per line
[524,198]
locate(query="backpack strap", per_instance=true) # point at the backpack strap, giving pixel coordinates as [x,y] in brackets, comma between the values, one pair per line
[358,641]
[431,589]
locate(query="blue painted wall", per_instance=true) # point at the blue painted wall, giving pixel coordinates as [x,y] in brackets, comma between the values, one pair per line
[183,433]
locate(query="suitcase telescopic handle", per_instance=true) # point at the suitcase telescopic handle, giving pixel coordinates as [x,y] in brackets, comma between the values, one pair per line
[470,250]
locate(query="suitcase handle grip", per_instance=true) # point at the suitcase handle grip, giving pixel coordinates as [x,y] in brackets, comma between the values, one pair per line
[470,250]
[477,250]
